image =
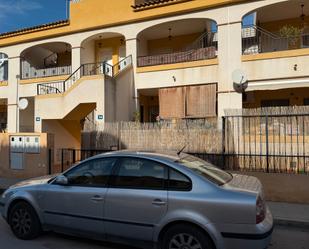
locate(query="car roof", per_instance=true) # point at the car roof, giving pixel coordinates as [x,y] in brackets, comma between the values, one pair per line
[169,156]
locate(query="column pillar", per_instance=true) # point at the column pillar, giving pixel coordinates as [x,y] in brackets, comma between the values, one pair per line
[76,58]
[229,54]
[131,49]
[13,94]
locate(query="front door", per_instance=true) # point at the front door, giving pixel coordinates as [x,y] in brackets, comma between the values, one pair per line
[106,60]
[79,205]
[136,200]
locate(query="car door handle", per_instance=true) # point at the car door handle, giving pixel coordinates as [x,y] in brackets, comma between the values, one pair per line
[158,202]
[97,198]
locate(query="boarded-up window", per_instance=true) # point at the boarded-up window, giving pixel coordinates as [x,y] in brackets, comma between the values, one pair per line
[190,102]
[172,102]
[201,101]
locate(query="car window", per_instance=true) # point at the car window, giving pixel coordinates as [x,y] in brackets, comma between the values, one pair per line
[178,181]
[140,173]
[206,170]
[91,173]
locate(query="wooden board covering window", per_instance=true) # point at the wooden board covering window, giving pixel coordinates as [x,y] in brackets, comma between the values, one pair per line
[172,102]
[188,102]
[201,101]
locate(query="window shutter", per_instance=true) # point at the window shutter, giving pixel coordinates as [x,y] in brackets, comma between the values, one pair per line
[172,102]
[201,101]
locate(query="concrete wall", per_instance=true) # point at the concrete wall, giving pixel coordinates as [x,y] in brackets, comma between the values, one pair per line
[284,187]
[34,164]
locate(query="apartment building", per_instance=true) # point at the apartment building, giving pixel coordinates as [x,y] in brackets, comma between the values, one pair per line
[124,59]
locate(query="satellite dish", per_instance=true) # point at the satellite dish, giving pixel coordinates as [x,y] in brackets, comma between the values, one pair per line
[240,80]
[23,104]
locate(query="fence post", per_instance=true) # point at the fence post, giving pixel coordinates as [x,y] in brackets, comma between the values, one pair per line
[267,143]
[62,160]
[74,156]
[223,140]
[49,161]
[119,135]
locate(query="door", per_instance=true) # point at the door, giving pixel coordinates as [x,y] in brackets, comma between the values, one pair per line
[136,200]
[78,206]
[106,61]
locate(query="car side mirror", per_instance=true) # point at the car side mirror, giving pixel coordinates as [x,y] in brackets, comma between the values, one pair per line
[62,180]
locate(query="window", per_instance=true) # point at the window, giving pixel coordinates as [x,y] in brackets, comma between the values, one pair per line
[92,173]
[306,101]
[178,181]
[188,102]
[206,170]
[141,174]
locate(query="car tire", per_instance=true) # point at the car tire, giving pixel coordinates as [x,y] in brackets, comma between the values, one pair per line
[24,221]
[186,236]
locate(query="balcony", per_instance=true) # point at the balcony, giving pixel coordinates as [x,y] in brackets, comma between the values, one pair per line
[174,42]
[275,28]
[256,40]
[46,60]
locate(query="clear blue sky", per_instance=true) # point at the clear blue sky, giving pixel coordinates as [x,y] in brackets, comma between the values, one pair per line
[18,14]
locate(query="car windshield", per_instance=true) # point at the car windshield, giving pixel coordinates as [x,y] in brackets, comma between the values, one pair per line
[205,169]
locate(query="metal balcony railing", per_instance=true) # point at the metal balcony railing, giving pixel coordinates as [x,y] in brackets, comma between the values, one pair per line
[256,40]
[205,47]
[84,70]
[32,73]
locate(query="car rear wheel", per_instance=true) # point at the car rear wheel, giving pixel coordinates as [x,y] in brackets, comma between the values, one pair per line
[186,237]
[24,221]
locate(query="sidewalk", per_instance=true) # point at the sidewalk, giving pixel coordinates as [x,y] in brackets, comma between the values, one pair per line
[6,182]
[289,214]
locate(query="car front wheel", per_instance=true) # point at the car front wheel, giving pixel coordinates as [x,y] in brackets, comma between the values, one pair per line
[24,221]
[186,237]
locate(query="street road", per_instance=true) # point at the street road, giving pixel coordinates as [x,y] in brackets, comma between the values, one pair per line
[283,238]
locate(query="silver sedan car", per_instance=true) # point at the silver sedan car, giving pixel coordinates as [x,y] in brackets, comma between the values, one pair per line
[156,200]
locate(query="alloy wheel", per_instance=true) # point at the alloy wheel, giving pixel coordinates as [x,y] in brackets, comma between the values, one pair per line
[184,241]
[21,222]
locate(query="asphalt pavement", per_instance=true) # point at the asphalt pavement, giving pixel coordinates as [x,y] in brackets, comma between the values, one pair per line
[283,238]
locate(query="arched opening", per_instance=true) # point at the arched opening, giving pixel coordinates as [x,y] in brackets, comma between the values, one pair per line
[177,42]
[278,27]
[107,49]
[45,60]
[4,67]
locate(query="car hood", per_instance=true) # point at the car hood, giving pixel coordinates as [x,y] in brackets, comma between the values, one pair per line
[34,181]
[245,183]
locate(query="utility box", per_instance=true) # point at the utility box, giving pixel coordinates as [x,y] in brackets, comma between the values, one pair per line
[21,145]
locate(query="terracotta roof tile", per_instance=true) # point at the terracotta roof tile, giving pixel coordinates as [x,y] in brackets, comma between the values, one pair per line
[35,28]
[142,4]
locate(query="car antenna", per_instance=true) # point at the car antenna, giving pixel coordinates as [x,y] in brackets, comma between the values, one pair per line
[182,149]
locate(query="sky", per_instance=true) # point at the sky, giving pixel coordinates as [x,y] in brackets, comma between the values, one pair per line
[19,14]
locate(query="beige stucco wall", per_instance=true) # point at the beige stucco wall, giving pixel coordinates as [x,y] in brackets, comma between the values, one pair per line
[34,164]
[284,187]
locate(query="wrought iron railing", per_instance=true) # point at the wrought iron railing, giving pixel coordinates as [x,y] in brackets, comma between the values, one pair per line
[256,40]
[203,48]
[32,73]
[84,70]
[121,65]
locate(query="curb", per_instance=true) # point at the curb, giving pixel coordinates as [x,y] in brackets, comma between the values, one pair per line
[292,223]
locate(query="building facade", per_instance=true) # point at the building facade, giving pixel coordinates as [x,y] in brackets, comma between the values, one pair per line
[130,59]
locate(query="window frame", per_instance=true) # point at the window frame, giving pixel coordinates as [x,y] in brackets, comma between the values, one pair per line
[92,185]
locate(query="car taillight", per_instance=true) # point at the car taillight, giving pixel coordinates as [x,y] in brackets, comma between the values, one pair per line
[260,210]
